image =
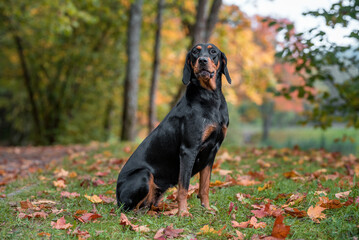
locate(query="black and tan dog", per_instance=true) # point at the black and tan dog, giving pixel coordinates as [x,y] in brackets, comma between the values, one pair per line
[185,142]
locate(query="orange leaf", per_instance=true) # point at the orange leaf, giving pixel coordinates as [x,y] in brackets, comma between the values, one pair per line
[315,213]
[61,224]
[280,230]
[59,184]
[94,198]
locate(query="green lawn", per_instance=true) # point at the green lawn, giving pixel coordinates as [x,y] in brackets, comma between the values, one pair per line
[336,139]
[316,171]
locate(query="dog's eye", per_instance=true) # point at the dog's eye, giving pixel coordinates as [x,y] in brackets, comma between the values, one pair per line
[212,51]
[195,51]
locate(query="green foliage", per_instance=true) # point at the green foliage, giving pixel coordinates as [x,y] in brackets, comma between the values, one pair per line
[330,70]
[72,52]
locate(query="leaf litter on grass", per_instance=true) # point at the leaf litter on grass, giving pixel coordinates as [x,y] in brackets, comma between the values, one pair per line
[264,176]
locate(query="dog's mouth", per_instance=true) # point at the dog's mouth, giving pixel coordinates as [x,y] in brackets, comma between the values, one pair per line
[205,74]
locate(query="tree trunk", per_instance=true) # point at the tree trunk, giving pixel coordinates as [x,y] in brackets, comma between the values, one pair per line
[199,28]
[27,81]
[212,19]
[156,65]
[132,72]
[267,109]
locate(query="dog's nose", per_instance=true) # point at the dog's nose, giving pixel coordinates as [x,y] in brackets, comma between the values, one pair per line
[202,60]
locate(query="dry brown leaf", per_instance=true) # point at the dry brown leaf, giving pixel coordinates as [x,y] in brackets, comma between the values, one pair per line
[330,204]
[26,204]
[295,212]
[342,194]
[168,232]
[280,230]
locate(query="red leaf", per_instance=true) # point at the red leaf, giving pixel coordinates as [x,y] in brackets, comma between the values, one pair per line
[87,217]
[280,230]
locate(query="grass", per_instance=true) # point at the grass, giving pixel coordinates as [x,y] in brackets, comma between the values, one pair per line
[341,223]
[335,139]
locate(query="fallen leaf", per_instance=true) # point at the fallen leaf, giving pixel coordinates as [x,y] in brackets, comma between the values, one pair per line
[102,174]
[267,185]
[72,174]
[330,204]
[243,197]
[292,174]
[315,213]
[266,210]
[253,222]
[168,232]
[59,184]
[106,199]
[342,194]
[61,173]
[94,198]
[44,234]
[26,204]
[61,224]
[295,212]
[209,230]
[80,234]
[240,236]
[295,199]
[87,217]
[231,206]
[263,164]
[70,195]
[125,222]
[280,230]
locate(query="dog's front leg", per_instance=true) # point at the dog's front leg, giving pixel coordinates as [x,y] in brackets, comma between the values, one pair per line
[204,180]
[187,158]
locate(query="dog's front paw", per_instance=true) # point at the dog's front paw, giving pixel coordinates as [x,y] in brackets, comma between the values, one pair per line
[184,213]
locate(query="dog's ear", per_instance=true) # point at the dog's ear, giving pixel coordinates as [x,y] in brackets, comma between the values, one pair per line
[224,68]
[187,70]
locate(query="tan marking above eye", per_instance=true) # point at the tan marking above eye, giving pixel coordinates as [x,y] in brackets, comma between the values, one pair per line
[209,46]
[199,47]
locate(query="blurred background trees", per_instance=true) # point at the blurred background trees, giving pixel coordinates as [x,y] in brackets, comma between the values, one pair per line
[65,69]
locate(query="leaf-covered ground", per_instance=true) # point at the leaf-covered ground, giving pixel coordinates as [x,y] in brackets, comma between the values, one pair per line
[255,194]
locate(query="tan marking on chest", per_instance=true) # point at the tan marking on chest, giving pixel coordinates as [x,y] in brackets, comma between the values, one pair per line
[208,131]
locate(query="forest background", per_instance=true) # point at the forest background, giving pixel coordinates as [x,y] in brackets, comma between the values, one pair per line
[82,71]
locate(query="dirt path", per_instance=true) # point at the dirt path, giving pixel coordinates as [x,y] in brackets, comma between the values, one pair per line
[18,162]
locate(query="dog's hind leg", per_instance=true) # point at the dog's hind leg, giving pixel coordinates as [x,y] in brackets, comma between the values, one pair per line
[136,191]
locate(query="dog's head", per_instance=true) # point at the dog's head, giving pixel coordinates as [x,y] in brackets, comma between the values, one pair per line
[205,63]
